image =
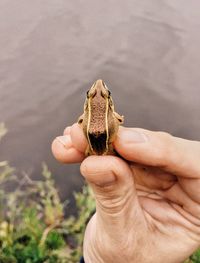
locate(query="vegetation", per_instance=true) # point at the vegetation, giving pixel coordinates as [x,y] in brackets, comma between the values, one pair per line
[34,224]
[33,228]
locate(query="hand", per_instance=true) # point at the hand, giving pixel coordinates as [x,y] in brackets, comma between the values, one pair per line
[147,202]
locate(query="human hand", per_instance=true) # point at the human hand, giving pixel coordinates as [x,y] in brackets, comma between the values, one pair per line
[147,204]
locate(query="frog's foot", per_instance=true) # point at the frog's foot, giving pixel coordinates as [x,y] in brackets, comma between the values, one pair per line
[88,151]
[119,118]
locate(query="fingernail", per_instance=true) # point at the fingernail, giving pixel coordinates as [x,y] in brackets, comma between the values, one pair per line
[65,140]
[129,135]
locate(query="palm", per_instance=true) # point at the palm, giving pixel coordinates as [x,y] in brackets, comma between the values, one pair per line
[161,196]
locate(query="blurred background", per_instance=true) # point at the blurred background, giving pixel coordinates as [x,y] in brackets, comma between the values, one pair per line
[51,52]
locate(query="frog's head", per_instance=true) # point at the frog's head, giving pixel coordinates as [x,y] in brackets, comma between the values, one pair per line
[98,89]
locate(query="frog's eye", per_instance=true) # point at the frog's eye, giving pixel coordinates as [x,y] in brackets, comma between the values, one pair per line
[93,93]
[87,94]
[109,94]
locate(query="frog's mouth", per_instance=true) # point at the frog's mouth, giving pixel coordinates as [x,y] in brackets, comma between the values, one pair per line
[98,142]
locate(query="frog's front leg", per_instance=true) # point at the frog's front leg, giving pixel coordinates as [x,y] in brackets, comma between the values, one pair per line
[111,150]
[119,118]
[88,151]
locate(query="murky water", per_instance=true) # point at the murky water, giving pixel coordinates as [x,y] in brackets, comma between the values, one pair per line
[147,52]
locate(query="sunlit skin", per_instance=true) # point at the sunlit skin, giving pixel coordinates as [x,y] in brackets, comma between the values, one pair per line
[147,202]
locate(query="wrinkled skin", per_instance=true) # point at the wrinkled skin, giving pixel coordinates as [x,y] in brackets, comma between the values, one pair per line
[147,202]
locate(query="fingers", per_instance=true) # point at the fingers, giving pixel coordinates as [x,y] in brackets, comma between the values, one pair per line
[112,182]
[159,149]
[70,147]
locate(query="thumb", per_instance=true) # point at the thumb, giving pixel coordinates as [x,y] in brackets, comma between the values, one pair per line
[159,149]
[113,185]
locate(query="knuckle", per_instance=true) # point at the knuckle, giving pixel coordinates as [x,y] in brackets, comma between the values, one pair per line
[165,149]
[165,137]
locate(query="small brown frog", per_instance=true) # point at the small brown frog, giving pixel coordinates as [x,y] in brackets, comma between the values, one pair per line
[99,121]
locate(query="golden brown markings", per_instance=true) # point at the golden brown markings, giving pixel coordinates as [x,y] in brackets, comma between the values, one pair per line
[106,123]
